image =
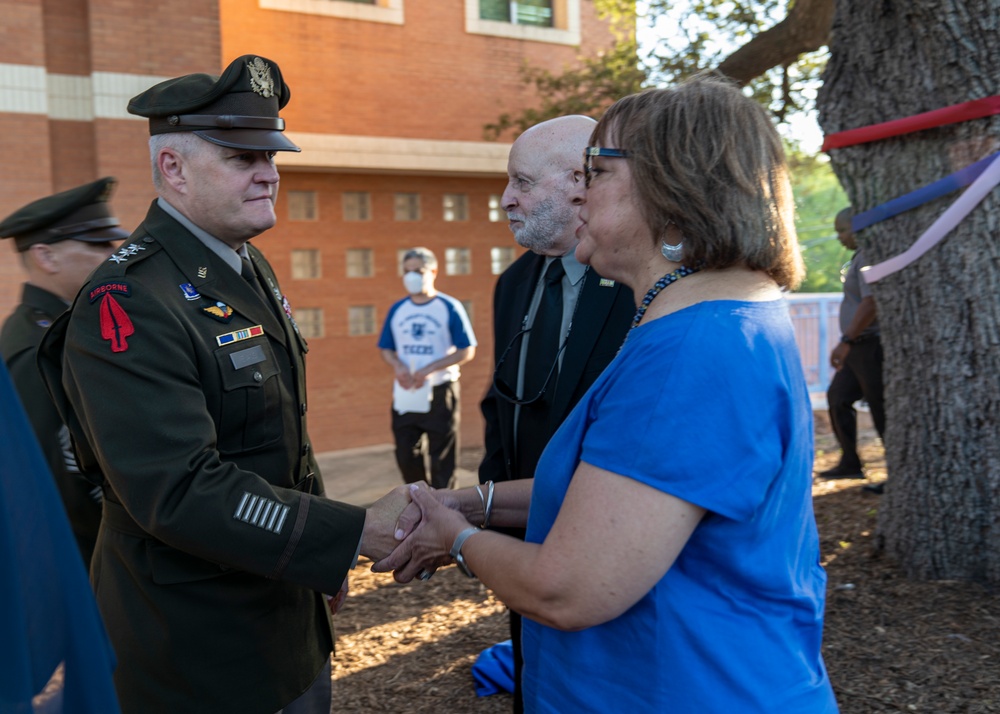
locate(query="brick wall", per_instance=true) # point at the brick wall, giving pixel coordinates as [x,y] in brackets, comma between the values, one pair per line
[425,79]
[350,386]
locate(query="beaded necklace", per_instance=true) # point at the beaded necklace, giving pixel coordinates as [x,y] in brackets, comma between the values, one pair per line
[681,272]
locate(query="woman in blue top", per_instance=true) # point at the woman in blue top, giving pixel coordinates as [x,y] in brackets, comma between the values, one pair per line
[672,559]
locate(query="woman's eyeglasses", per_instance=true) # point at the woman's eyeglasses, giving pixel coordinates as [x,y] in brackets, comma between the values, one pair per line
[588,159]
[504,389]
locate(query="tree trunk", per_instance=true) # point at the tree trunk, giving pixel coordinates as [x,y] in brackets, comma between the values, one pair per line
[940,316]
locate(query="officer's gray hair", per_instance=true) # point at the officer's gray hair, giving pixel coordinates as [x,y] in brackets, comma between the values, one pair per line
[183,141]
[424,254]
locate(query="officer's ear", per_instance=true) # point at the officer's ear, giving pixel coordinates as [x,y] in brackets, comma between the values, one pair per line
[44,258]
[170,164]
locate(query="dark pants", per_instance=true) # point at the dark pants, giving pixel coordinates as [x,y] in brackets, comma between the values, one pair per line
[515,638]
[440,425]
[859,378]
[315,700]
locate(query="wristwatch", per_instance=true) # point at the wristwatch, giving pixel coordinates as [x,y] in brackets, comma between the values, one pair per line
[456,549]
[846,340]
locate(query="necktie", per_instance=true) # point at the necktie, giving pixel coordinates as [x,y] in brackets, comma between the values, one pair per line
[543,340]
[542,353]
[250,275]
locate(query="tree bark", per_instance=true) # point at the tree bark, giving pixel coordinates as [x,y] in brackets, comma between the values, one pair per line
[805,29]
[940,316]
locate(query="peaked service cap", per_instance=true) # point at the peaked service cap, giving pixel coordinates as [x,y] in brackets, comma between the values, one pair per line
[82,213]
[238,109]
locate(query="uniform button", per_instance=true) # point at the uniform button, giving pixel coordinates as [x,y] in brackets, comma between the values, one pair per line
[302,408]
[258,377]
[305,449]
[147,239]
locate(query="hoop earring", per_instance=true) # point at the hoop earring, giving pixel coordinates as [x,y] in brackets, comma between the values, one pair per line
[673,253]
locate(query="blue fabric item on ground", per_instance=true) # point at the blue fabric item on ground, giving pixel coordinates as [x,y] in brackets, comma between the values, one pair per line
[494,669]
[47,611]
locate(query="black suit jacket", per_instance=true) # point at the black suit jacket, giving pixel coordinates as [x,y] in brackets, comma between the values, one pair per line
[602,319]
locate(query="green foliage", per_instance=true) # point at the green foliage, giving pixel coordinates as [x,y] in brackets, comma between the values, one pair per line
[818,198]
[694,35]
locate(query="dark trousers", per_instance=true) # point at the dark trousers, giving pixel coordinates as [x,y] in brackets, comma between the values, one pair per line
[440,425]
[859,378]
[315,700]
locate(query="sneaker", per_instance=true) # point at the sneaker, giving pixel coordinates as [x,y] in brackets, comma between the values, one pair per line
[841,471]
[877,488]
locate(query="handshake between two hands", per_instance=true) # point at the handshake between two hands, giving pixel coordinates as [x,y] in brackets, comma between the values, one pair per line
[410,530]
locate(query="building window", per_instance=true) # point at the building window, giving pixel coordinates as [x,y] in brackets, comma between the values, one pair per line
[500,259]
[357,206]
[360,263]
[302,206]
[306,265]
[406,206]
[519,12]
[387,11]
[361,320]
[310,321]
[456,207]
[497,213]
[555,21]
[457,261]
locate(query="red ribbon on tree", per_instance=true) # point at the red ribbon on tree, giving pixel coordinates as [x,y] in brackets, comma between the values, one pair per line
[976,109]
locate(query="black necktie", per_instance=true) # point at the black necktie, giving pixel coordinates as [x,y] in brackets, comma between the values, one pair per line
[250,275]
[542,353]
[543,340]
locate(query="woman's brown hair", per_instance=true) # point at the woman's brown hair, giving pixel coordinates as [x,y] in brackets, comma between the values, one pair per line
[707,158]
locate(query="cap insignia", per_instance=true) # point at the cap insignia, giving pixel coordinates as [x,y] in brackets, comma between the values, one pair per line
[260,77]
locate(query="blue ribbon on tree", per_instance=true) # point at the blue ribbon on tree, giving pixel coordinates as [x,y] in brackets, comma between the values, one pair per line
[959,179]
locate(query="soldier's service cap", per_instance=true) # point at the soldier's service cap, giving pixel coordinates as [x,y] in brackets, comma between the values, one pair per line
[82,213]
[238,109]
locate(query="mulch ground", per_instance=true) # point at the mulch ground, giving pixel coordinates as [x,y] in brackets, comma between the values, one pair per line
[891,645]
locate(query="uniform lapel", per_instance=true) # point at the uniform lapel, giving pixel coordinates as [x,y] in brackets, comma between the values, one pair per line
[209,274]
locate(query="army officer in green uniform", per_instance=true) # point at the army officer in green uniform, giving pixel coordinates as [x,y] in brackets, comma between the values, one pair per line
[184,381]
[60,240]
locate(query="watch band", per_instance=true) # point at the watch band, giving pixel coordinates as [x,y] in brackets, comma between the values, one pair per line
[456,549]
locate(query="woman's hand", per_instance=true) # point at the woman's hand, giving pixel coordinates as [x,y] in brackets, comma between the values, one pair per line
[429,533]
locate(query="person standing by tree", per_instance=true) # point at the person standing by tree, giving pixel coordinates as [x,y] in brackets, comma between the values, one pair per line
[426,337]
[857,359]
[61,238]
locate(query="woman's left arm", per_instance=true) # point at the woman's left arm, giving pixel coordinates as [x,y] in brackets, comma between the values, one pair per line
[613,540]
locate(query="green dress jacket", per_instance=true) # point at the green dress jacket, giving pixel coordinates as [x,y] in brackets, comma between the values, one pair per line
[189,393]
[19,340]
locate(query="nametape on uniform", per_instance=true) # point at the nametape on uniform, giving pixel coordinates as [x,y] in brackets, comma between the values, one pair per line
[261,512]
[236,336]
[247,357]
[109,287]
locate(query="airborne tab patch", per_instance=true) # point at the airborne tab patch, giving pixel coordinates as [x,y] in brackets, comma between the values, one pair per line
[110,287]
[236,336]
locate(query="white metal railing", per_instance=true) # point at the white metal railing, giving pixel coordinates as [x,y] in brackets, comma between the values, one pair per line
[816,318]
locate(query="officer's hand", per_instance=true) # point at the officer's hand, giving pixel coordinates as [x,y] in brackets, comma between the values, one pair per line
[378,538]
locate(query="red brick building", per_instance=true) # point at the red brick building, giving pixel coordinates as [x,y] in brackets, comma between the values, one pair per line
[389,101]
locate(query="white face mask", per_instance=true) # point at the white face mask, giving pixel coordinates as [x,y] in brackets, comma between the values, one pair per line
[416,283]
